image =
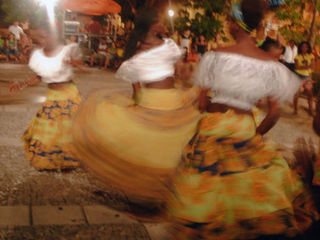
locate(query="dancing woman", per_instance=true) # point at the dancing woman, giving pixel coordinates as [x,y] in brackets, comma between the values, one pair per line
[48,137]
[135,144]
[231,184]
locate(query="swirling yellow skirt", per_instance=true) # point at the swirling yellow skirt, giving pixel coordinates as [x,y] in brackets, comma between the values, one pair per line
[136,148]
[48,139]
[233,185]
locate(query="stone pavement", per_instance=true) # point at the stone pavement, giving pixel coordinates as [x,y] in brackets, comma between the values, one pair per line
[71,222]
[55,205]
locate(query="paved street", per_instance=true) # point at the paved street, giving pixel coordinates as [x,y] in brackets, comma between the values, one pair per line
[42,205]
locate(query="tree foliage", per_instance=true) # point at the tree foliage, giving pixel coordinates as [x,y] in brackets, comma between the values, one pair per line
[296,27]
[207,20]
[21,10]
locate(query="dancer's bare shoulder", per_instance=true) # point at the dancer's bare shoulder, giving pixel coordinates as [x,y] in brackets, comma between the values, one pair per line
[252,52]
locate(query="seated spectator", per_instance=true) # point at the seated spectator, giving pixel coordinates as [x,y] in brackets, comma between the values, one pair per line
[193,56]
[120,49]
[72,39]
[26,47]
[100,56]
[304,65]
[186,67]
[111,54]
[119,54]
[12,48]
[1,43]
[87,55]
[16,30]
[3,55]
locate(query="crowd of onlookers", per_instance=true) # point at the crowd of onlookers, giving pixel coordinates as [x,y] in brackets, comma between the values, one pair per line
[15,43]
[103,45]
[301,59]
[108,53]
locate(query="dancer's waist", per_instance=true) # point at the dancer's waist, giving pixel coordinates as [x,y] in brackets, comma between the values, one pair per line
[59,85]
[222,108]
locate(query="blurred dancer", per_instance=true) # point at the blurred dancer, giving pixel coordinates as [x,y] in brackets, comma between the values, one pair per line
[316,127]
[135,144]
[231,184]
[48,137]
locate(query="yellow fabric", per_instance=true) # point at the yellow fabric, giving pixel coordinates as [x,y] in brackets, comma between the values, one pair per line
[233,185]
[129,145]
[48,139]
[258,115]
[56,132]
[304,61]
[174,98]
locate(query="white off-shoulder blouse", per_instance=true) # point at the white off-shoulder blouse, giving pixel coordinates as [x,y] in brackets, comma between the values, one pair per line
[152,65]
[54,69]
[240,81]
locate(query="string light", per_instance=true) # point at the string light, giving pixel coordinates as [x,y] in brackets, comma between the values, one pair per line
[170,13]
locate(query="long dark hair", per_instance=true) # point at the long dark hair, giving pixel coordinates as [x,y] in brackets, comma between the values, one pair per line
[300,47]
[253,12]
[143,22]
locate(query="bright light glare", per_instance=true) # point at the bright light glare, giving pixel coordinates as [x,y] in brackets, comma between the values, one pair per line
[47,2]
[50,6]
[170,13]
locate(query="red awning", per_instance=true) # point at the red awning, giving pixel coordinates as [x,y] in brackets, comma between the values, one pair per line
[92,7]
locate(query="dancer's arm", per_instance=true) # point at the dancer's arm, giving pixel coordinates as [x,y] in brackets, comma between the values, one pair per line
[271,118]
[136,89]
[78,64]
[203,99]
[18,86]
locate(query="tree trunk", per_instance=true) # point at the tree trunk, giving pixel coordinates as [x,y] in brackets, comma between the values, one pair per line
[311,36]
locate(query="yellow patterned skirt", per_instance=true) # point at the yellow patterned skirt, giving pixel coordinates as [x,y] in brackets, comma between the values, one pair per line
[136,148]
[232,185]
[48,139]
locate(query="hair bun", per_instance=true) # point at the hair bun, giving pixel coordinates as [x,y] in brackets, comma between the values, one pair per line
[275,3]
[253,12]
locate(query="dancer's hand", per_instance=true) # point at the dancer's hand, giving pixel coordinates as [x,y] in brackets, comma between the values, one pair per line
[18,86]
[78,64]
[15,87]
